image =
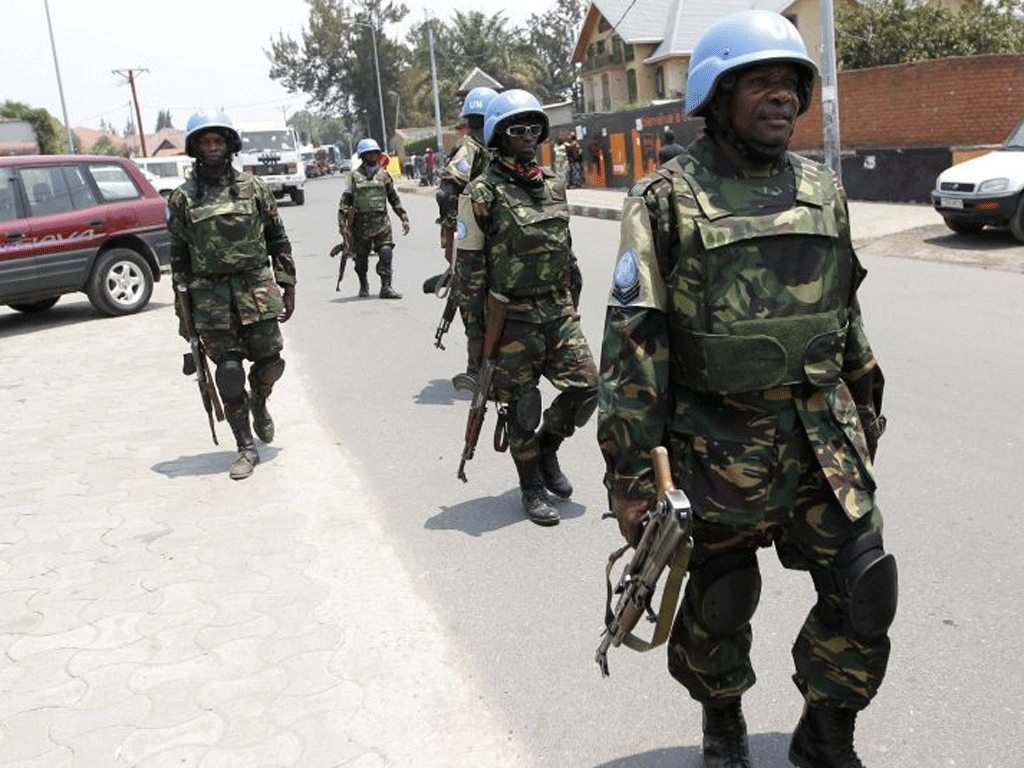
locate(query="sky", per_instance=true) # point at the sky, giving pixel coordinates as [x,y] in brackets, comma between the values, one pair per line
[196,54]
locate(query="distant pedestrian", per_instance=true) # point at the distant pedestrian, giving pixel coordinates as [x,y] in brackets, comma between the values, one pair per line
[669,148]
[430,167]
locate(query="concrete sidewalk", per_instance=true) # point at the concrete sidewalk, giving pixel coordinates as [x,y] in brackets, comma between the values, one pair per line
[868,221]
[153,613]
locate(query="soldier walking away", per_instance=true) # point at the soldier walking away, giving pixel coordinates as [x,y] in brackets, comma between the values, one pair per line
[231,255]
[468,161]
[734,338]
[363,216]
[514,242]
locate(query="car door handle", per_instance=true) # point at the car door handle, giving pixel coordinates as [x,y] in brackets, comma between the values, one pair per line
[14,235]
[97,222]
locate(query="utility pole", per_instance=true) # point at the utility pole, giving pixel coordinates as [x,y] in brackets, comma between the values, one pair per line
[130,74]
[829,90]
[433,80]
[60,87]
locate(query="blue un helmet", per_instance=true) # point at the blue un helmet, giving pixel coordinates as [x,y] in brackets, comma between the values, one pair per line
[742,40]
[477,100]
[367,145]
[201,122]
[507,105]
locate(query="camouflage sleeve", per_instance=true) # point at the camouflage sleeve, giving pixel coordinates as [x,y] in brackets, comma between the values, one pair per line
[634,385]
[180,257]
[275,236]
[471,261]
[633,413]
[861,371]
[393,199]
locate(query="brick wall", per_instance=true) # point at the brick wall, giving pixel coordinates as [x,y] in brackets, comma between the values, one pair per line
[946,103]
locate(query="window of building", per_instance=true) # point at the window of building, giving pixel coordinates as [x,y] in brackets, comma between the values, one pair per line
[606,99]
[659,82]
[603,25]
[629,54]
[599,47]
[631,85]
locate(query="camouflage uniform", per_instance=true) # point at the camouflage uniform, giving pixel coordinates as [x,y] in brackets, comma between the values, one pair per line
[230,249]
[366,200]
[467,162]
[514,240]
[734,335]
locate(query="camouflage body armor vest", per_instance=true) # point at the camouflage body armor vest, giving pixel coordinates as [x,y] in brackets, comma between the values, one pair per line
[369,196]
[225,233]
[528,247]
[759,291]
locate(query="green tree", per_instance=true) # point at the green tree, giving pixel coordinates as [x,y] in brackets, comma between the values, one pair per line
[129,128]
[881,32]
[334,62]
[50,133]
[106,146]
[553,36]
[163,120]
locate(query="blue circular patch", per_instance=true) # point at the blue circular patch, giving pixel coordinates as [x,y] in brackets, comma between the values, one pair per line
[626,272]
[462,165]
[460,230]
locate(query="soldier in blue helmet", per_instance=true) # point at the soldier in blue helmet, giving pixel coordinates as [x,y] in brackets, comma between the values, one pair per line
[514,243]
[363,215]
[734,338]
[231,256]
[468,161]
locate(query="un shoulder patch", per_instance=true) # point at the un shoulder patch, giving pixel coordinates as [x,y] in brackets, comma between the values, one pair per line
[626,281]
[462,165]
[460,230]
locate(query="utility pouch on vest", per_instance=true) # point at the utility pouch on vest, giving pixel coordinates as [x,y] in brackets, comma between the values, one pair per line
[760,354]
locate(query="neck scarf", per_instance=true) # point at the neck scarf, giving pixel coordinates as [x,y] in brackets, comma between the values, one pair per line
[526,174]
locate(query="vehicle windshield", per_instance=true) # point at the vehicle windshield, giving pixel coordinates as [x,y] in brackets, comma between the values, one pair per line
[263,141]
[1016,139]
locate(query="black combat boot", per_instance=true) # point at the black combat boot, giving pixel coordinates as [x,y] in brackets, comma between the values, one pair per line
[725,735]
[824,739]
[364,284]
[474,351]
[262,423]
[554,479]
[245,463]
[535,500]
[386,291]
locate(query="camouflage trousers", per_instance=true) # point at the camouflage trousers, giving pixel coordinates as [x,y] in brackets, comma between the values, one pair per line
[364,245]
[808,527]
[254,341]
[556,350]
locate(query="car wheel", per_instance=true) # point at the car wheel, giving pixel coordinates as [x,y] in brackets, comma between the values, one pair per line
[31,307]
[121,282]
[298,196]
[963,226]
[1017,222]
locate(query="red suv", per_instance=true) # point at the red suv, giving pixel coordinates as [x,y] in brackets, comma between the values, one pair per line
[73,223]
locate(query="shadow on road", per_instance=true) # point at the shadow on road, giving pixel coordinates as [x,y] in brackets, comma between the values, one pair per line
[767,750]
[486,514]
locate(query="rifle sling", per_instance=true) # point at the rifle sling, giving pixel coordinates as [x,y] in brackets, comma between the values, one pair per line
[669,597]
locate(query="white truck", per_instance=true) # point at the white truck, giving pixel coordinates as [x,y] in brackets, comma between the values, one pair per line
[271,151]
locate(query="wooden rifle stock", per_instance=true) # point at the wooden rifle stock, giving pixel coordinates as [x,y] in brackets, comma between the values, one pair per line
[496,314]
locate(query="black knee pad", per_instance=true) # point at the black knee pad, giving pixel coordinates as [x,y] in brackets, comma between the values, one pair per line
[384,254]
[727,591]
[867,580]
[266,371]
[524,413]
[584,404]
[230,377]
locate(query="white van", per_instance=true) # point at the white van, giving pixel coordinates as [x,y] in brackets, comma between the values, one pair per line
[166,173]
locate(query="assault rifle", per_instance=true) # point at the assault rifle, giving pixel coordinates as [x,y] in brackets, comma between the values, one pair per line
[443,289]
[497,311]
[195,362]
[344,247]
[666,542]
